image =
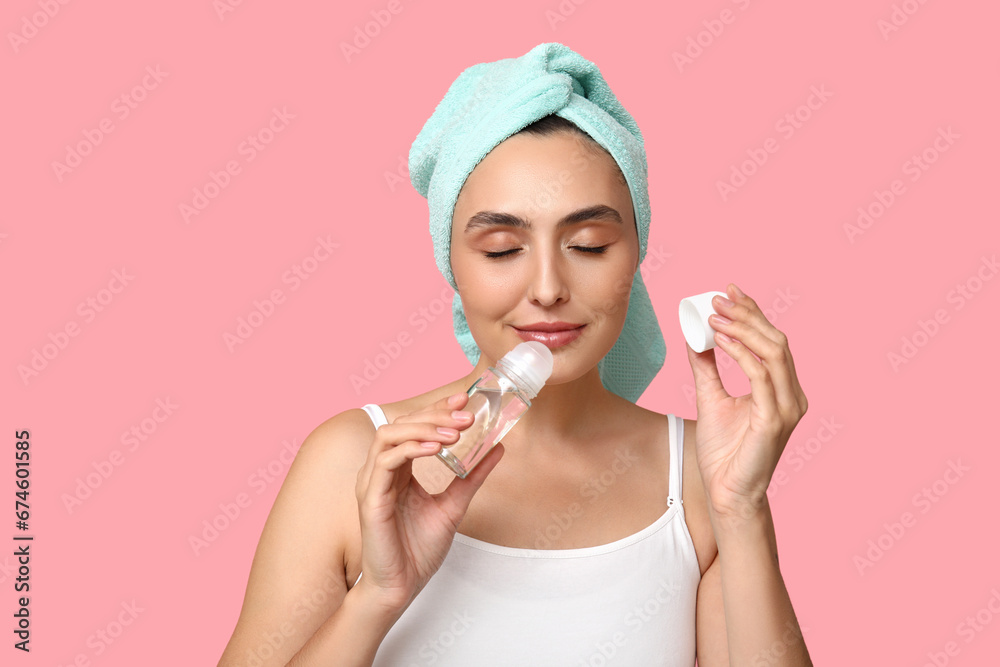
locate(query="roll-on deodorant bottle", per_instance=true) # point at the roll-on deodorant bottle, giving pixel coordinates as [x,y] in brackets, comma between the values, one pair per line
[497,400]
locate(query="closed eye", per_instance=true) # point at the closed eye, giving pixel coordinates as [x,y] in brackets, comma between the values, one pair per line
[594,250]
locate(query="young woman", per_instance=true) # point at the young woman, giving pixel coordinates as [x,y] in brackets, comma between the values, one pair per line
[597,532]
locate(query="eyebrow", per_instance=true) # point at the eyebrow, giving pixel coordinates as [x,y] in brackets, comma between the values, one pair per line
[496,218]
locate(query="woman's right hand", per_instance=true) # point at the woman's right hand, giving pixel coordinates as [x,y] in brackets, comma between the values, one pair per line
[405,531]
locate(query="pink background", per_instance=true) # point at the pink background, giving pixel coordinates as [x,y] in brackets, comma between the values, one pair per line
[331,172]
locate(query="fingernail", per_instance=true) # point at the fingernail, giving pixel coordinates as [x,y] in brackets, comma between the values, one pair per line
[429,445]
[461,415]
[454,399]
[723,301]
[737,290]
[444,430]
[721,320]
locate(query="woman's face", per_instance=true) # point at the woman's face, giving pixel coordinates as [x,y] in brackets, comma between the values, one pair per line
[543,231]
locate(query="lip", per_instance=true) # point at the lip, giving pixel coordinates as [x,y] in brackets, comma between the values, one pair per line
[551,334]
[549,326]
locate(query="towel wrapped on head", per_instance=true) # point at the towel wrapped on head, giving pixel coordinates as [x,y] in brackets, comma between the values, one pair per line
[490,102]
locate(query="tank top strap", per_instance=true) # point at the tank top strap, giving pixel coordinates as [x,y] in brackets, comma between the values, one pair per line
[375,412]
[676,434]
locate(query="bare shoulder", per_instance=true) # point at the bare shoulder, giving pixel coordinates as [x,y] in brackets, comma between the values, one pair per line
[330,459]
[322,480]
[342,441]
[298,575]
[696,500]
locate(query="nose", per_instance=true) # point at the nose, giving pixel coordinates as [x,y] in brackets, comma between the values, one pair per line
[547,284]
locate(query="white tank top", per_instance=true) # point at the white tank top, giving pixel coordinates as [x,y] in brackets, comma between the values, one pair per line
[628,603]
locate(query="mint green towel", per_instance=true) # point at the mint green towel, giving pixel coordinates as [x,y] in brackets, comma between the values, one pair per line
[488,103]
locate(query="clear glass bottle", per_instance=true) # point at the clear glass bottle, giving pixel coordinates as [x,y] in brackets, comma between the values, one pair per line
[497,400]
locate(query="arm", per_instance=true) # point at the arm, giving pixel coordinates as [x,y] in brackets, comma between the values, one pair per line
[347,486]
[353,634]
[739,441]
[745,615]
[297,590]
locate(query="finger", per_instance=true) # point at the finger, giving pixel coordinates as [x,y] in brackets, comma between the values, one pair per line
[443,406]
[745,309]
[772,355]
[790,396]
[450,418]
[761,387]
[797,392]
[750,327]
[365,472]
[736,325]
[391,436]
[389,462]
[749,324]
[786,385]
[454,501]
[387,437]
[707,383]
[380,443]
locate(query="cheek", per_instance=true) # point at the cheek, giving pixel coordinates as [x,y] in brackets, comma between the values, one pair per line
[606,279]
[494,282]
[488,292]
[610,297]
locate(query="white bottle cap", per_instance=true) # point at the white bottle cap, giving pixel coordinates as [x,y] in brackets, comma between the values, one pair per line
[531,362]
[694,312]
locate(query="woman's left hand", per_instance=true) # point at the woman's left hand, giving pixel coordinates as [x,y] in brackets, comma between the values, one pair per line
[740,439]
